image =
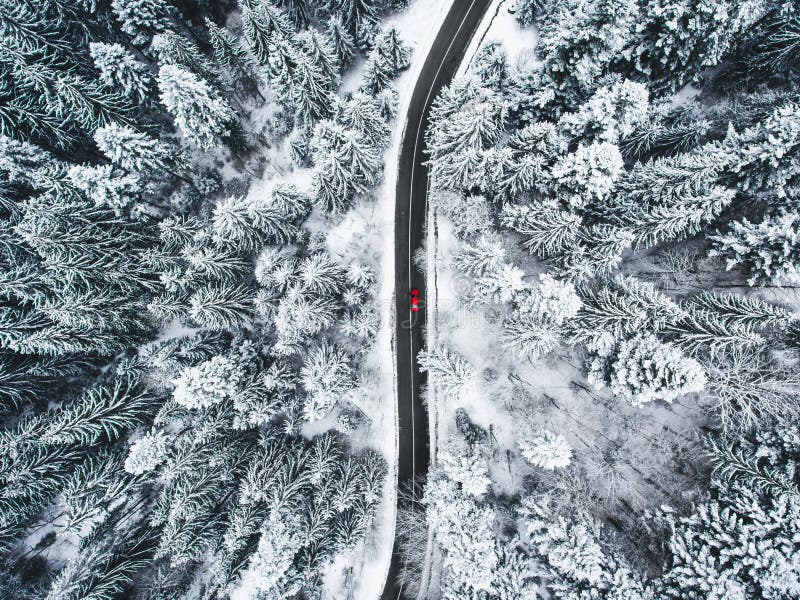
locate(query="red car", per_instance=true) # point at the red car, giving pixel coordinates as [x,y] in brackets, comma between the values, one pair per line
[414,300]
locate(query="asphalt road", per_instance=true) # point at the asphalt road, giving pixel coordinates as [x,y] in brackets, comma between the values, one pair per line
[411,207]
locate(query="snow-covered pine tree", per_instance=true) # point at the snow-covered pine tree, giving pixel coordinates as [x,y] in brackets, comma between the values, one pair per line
[491,65]
[342,41]
[769,250]
[223,306]
[467,466]
[176,50]
[346,164]
[264,24]
[497,286]
[389,56]
[764,156]
[599,252]
[200,112]
[709,549]
[487,254]
[119,70]
[622,306]
[532,151]
[642,369]
[677,41]
[135,151]
[360,17]
[142,18]
[466,120]
[107,186]
[451,371]
[613,112]
[549,230]
[745,310]
[579,40]
[546,450]
[540,314]
[326,375]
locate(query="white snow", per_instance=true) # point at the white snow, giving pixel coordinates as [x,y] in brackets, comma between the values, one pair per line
[499,25]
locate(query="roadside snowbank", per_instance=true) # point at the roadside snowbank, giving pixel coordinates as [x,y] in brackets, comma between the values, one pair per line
[362,574]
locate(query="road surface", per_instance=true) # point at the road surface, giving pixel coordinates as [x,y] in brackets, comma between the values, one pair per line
[412,197]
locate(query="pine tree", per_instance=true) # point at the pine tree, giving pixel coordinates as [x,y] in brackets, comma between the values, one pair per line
[549,230]
[389,56]
[450,371]
[579,40]
[222,306]
[744,310]
[346,164]
[546,450]
[342,41]
[142,18]
[623,306]
[526,11]
[701,329]
[534,150]
[466,466]
[769,250]
[358,16]
[313,78]
[135,151]
[106,186]
[491,65]
[199,111]
[678,40]
[326,375]
[178,51]
[486,255]
[119,70]
[105,568]
[612,113]
[466,119]
[764,156]
[569,548]
[709,549]
[642,369]
[599,252]
[320,275]
[589,174]
[261,20]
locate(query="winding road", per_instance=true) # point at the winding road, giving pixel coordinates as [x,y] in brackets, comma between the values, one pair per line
[411,208]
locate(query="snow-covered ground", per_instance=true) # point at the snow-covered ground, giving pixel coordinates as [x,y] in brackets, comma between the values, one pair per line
[362,574]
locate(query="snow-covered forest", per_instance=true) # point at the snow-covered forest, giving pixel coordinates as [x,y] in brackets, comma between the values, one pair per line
[184,399]
[613,344]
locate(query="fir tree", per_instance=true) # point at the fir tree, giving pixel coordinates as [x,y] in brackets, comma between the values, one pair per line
[222,306]
[261,20]
[135,151]
[709,549]
[178,51]
[389,56]
[343,43]
[549,230]
[199,111]
[142,18]
[679,40]
[768,250]
[643,369]
[579,40]
[546,450]
[119,70]
[451,371]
